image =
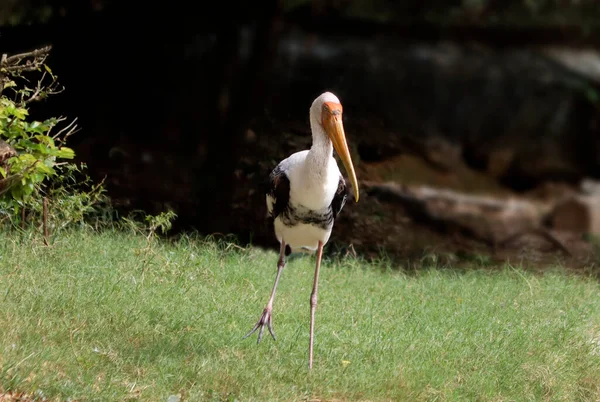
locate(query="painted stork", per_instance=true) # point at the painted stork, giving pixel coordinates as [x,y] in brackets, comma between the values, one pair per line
[306,194]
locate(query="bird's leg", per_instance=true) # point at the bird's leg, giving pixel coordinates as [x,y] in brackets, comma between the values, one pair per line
[265,319]
[313,304]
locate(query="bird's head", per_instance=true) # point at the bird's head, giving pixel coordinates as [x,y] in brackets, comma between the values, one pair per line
[328,111]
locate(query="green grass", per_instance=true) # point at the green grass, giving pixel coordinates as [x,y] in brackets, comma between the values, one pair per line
[102,317]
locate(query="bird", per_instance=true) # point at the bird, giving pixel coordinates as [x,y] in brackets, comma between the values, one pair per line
[305,194]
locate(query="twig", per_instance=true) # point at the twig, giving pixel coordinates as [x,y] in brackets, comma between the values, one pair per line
[42,52]
[42,91]
[37,91]
[2,75]
[10,123]
[18,68]
[26,62]
[351,251]
[65,132]
[45,220]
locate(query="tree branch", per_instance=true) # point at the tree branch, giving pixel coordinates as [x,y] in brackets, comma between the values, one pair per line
[41,91]
[36,54]
[65,132]
[17,64]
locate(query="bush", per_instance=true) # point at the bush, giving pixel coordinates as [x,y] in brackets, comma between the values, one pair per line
[38,177]
[40,184]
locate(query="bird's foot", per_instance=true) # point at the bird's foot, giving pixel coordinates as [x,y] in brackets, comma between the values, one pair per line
[265,319]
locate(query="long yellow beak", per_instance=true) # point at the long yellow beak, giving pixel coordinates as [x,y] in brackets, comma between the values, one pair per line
[334,127]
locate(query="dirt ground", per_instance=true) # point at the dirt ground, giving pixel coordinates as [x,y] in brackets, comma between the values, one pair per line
[376,227]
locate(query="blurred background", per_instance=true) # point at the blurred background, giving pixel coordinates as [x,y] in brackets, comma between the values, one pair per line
[473,123]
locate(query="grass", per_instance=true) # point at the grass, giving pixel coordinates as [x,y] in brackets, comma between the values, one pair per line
[110,317]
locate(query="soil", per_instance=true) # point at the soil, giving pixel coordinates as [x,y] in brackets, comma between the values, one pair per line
[376,228]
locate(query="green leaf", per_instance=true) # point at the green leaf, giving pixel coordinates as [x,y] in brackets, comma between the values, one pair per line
[42,167]
[39,177]
[17,192]
[47,68]
[20,113]
[2,172]
[25,144]
[65,153]
[37,127]
[44,139]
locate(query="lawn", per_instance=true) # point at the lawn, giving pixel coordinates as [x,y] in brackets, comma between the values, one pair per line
[109,316]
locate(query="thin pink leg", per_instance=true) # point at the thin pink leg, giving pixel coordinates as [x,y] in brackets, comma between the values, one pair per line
[313,305]
[266,318]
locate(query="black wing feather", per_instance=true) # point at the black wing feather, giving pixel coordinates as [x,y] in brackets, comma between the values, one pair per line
[339,199]
[280,190]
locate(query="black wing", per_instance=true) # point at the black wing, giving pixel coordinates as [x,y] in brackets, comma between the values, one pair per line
[340,197]
[279,191]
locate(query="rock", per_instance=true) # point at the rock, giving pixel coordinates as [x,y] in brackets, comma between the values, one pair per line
[582,61]
[487,218]
[577,213]
[590,187]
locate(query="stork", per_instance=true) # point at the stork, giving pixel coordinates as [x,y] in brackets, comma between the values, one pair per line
[307,192]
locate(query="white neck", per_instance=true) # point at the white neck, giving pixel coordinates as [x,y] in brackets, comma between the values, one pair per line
[321,151]
[316,181]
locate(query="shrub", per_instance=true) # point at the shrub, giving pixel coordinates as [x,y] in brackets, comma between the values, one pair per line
[36,167]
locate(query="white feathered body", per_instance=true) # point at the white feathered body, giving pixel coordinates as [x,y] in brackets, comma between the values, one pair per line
[312,187]
[307,190]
